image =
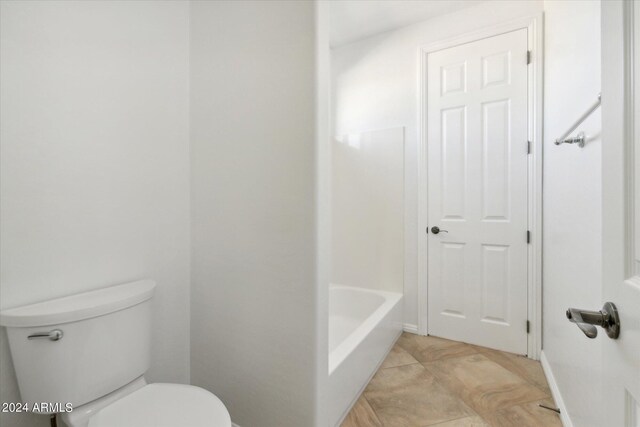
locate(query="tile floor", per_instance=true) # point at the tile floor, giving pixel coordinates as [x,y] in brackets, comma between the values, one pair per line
[429,381]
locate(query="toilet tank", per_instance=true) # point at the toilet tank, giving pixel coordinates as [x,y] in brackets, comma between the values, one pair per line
[103,342]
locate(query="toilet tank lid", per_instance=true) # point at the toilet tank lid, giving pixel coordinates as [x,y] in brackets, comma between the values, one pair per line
[79,306]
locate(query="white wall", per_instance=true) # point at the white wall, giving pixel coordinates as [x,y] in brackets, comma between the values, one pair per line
[255,328]
[375,86]
[368,210]
[95,162]
[572,205]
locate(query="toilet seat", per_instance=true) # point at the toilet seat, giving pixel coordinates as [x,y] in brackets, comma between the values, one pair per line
[164,405]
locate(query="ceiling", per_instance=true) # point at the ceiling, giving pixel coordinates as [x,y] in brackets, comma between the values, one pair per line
[352,20]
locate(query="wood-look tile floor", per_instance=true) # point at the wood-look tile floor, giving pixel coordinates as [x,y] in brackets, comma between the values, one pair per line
[429,381]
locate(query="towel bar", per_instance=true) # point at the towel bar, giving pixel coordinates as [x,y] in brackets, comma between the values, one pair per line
[580,138]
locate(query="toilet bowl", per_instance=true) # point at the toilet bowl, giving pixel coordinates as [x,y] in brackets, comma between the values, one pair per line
[86,355]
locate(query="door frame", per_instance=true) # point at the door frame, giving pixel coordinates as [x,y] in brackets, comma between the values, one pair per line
[534,26]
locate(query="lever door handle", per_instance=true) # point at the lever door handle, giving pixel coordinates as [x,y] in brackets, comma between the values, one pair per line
[436,230]
[576,316]
[53,335]
[587,320]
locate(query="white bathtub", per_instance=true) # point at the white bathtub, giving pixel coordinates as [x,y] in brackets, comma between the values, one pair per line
[363,326]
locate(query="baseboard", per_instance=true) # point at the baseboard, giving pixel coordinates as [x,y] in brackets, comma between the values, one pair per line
[555,391]
[411,328]
[234,424]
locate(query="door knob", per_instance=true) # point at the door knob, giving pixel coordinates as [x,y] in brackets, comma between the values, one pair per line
[436,230]
[587,320]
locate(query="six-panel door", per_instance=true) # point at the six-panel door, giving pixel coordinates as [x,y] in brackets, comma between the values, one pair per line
[477,192]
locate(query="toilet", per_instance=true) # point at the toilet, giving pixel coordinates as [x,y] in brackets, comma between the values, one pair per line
[85,357]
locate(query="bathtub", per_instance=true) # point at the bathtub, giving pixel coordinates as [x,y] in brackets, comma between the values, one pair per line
[363,326]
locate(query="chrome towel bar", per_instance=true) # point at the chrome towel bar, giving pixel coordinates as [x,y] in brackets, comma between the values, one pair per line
[578,139]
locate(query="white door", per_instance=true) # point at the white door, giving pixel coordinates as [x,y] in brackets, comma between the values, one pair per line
[477,192]
[621,211]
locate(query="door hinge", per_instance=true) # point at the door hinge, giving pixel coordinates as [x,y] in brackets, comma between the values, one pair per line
[528,147]
[528,236]
[528,57]
[528,326]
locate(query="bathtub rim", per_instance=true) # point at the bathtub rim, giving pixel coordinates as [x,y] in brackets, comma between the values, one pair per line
[357,336]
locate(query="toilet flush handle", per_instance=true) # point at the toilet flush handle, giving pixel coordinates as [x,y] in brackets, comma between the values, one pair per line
[53,335]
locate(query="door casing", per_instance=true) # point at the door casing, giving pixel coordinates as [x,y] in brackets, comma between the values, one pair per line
[534,25]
